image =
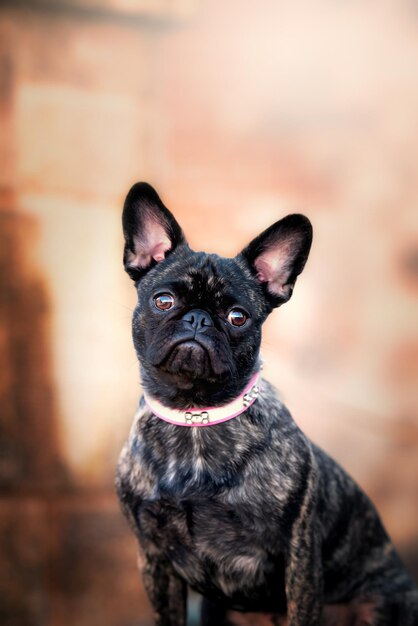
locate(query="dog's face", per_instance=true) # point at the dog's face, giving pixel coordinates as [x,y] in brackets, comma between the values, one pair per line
[197,324]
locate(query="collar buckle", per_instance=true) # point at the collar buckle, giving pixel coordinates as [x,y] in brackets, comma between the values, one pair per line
[196,418]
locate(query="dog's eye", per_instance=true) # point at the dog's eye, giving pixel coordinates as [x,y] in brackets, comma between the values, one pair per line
[237,317]
[164,301]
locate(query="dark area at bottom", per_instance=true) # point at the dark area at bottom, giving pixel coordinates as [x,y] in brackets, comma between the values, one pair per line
[71,559]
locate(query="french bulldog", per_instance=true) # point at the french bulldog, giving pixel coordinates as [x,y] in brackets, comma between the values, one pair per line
[224,492]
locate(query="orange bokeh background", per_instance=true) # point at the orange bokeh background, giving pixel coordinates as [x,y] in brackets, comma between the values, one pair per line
[238,113]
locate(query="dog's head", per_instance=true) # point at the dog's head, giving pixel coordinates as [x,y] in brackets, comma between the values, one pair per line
[197,324]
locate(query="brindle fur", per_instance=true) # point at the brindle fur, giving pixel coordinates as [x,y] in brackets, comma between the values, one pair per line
[250,513]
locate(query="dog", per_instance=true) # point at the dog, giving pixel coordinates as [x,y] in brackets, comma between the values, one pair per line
[224,492]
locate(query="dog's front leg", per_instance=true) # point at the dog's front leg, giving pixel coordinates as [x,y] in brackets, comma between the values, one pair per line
[304,581]
[303,575]
[166,591]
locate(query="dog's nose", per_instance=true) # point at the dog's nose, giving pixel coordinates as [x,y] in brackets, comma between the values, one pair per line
[198,319]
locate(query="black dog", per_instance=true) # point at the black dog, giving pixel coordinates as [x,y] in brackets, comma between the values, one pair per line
[234,500]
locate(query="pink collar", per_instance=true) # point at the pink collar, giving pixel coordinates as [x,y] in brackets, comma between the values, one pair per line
[210,415]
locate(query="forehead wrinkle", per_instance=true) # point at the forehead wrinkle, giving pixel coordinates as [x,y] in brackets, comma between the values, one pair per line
[210,281]
[220,283]
[205,280]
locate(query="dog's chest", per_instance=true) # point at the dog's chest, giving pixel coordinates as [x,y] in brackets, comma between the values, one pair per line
[214,505]
[213,546]
[223,542]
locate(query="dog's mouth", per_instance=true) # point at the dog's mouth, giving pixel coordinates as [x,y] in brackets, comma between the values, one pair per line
[189,358]
[185,356]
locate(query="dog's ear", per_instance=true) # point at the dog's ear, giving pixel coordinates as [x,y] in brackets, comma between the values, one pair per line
[151,232]
[278,255]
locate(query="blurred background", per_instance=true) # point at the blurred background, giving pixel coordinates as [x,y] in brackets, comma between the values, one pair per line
[238,112]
